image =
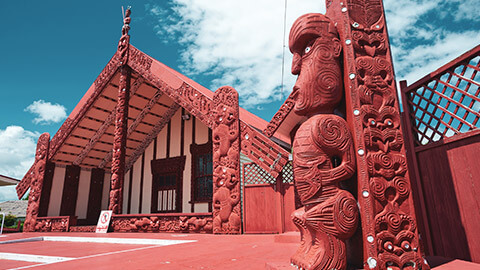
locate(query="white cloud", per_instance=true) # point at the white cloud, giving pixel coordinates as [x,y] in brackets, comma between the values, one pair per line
[17,151]
[423,38]
[47,113]
[8,193]
[239,42]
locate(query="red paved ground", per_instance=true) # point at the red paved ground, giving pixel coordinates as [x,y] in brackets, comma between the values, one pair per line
[209,252]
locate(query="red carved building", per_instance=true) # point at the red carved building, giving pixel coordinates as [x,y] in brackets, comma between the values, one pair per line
[166,154]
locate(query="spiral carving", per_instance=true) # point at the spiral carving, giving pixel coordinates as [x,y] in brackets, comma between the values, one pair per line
[331,133]
[345,215]
[402,187]
[377,188]
[328,79]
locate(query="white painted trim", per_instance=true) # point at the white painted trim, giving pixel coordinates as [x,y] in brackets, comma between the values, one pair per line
[134,241]
[32,258]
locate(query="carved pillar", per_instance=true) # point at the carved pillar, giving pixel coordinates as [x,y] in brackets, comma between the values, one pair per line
[226,161]
[36,183]
[121,120]
[390,236]
[120,142]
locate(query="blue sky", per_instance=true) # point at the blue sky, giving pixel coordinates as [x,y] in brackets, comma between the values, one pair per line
[52,51]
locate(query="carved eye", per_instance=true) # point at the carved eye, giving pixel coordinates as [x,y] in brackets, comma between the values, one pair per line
[372,122]
[388,245]
[406,245]
[389,122]
[307,49]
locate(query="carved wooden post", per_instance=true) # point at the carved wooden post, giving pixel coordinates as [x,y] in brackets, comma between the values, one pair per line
[226,161]
[323,153]
[121,122]
[390,236]
[36,182]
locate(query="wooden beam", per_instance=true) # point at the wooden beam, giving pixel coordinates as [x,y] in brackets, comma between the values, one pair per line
[135,123]
[152,135]
[106,124]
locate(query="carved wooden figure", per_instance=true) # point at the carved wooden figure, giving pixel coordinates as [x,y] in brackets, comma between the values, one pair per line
[323,153]
[36,182]
[226,161]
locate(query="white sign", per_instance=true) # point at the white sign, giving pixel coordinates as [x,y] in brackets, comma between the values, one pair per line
[103,221]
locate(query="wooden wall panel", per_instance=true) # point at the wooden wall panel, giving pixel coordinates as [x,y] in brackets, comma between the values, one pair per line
[161,144]
[187,173]
[147,180]
[46,190]
[175,134]
[106,191]
[83,191]
[450,178]
[201,132]
[70,190]
[57,190]
[289,207]
[260,209]
[126,189]
[135,193]
[95,195]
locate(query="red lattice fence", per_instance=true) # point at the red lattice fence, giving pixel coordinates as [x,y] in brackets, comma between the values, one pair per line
[445,102]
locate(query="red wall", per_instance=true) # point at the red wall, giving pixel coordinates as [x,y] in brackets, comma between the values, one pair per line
[450,178]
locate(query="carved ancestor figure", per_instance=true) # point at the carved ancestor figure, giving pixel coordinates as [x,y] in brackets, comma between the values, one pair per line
[323,153]
[226,162]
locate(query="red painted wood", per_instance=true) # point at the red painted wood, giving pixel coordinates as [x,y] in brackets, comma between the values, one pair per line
[95,196]
[46,189]
[260,209]
[289,207]
[70,191]
[449,174]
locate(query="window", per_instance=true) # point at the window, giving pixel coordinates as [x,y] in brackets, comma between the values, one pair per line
[202,172]
[167,184]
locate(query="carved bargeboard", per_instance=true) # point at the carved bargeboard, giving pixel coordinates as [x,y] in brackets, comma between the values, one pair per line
[36,182]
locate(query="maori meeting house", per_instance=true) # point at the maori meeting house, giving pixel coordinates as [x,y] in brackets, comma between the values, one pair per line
[366,179]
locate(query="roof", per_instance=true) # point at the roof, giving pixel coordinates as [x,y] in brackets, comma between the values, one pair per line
[8,181]
[156,93]
[16,208]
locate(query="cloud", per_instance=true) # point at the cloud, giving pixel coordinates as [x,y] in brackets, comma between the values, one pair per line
[17,151]
[47,113]
[239,43]
[8,193]
[17,154]
[425,35]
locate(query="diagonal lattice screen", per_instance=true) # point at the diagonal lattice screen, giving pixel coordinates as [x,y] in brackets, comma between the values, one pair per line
[287,173]
[254,175]
[447,101]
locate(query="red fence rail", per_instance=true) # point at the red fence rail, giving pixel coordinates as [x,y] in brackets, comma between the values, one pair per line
[447,101]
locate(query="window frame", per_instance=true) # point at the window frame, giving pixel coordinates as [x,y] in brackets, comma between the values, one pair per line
[198,150]
[164,167]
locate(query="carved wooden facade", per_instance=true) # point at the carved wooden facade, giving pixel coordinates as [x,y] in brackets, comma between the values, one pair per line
[105,134]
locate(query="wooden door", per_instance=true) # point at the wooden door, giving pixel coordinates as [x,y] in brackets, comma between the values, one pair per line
[261,211]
